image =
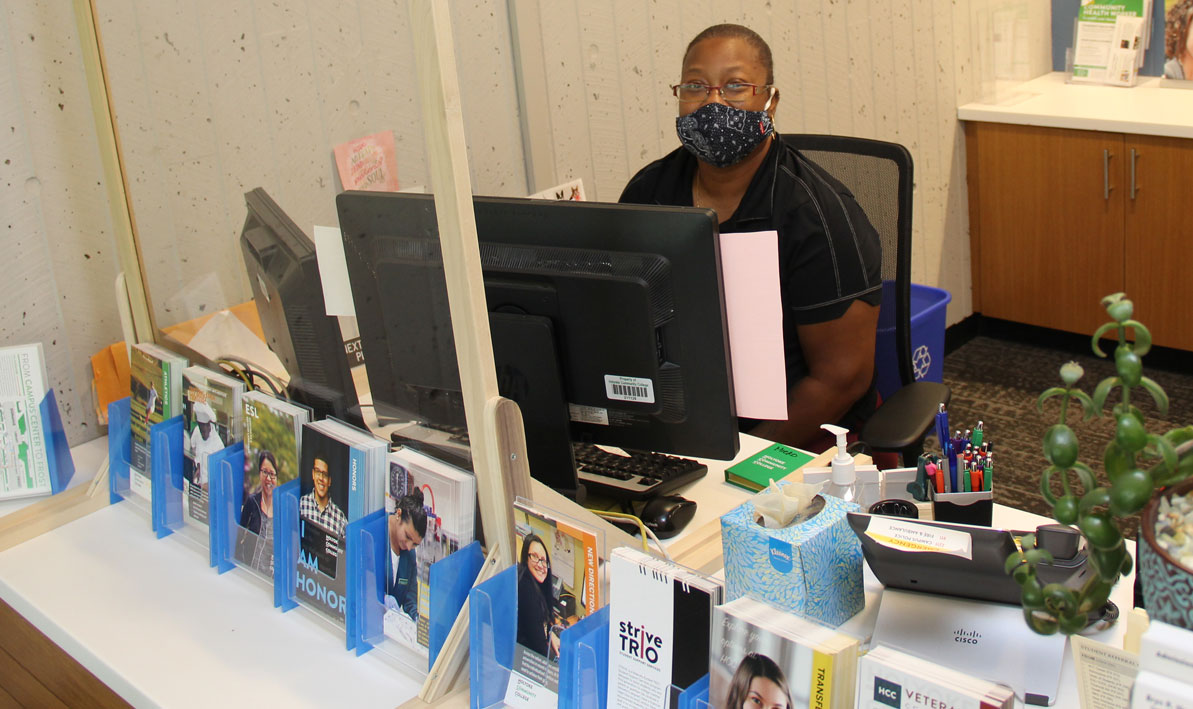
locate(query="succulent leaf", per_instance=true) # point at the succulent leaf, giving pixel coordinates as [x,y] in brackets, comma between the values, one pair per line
[1157,392]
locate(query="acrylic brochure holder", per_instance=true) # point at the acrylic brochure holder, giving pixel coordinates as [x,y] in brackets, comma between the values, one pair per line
[62,465]
[286,548]
[120,441]
[225,496]
[285,545]
[166,465]
[583,653]
[450,580]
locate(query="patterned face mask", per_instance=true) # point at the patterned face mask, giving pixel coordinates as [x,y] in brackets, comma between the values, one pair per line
[722,135]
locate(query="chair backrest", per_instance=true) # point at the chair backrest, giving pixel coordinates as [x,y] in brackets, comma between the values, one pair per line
[879,174]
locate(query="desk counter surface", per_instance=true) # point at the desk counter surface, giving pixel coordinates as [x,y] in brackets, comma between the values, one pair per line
[1149,108]
[151,620]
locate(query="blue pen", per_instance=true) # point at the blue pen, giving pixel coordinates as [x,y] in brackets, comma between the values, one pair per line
[942,426]
[951,453]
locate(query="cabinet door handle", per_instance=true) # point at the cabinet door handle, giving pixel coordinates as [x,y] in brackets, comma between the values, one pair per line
[1106,175]
[1134,157]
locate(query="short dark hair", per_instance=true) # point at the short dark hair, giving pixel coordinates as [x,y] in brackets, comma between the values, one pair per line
[751,666]
[743,33]
[1176,31]
[410,508]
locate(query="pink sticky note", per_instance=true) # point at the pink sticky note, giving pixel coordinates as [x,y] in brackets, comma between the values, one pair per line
[368,163]
[754,314]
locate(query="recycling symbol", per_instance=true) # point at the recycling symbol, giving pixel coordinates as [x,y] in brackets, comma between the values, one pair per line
[921,360]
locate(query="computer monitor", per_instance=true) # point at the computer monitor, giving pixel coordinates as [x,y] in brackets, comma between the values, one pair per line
[607,321]
[284,276]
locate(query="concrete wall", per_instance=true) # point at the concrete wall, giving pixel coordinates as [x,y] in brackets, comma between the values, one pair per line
[215,98]
[59,259]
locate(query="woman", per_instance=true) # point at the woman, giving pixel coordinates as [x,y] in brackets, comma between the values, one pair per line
[407,527]
[733,163]
[257,517]
[758,683]
[535,599]
[1178,41]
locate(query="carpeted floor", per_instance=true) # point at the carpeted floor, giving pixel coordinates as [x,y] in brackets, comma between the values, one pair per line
[998,380]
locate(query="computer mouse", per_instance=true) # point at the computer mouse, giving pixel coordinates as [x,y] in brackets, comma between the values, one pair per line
[667,515]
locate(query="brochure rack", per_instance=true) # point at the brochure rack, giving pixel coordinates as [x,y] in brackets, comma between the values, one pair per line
[285,545]
[225,497]
[165,462]
[584,662]
[62,465]
[366,542]
[492,630]
[583,654]
[120,441]
[696,696]
[450,581]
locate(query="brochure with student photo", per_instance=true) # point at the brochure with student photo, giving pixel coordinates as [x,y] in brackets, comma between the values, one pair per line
[272,444]
[558,585]
[762,656]
[431,508]
[211,415]
[322,519]
[340,473]
[155,378]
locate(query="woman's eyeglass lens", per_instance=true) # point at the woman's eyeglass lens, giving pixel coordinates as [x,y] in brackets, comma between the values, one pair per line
[734,92]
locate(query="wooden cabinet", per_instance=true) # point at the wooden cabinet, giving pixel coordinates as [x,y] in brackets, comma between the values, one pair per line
[1060,218]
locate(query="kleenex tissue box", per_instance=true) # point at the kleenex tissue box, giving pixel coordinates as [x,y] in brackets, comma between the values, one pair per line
[812,569]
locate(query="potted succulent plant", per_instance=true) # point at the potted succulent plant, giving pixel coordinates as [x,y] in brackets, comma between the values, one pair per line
[1137,464]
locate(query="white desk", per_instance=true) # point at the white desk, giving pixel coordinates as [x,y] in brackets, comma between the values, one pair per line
[151,620]
[712,492]
[155,623]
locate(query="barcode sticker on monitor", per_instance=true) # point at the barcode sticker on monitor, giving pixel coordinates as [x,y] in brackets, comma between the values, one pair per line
[634,389]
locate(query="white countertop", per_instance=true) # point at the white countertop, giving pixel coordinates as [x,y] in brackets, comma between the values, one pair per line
[1152,107]
[154,622]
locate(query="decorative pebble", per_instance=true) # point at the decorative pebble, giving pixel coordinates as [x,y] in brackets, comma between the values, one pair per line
[1174,528]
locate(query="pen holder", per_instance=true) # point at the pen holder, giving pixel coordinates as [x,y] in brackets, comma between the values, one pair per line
[975,508]
[812,569]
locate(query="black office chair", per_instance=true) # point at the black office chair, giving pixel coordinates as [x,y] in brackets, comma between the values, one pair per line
[879,176]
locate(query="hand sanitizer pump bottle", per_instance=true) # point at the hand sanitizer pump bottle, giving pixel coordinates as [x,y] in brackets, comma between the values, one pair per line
[843,478]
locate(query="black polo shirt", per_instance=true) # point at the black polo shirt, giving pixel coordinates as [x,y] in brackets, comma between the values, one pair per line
[829,254]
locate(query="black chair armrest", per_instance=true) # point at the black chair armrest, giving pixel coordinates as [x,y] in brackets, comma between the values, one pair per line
[902,421]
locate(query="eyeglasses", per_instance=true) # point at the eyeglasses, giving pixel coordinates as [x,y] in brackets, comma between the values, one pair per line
[320,473]
[536,559]
[267,473]
[735,92]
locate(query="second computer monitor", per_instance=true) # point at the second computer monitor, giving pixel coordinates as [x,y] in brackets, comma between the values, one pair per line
[607,321]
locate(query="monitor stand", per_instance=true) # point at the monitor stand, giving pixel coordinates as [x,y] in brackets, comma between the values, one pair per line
[986,640]
[528,373]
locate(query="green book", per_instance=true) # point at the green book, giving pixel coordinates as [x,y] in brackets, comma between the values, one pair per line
[755,473]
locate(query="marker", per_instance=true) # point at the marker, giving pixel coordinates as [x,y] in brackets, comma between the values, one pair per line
[978,433]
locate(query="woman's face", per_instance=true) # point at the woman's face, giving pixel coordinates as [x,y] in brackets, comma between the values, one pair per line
[536,561]
[723,60]
[269,477]
[402,534]
[764,694]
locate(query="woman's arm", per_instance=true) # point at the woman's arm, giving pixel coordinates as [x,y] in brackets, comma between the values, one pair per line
[840,358]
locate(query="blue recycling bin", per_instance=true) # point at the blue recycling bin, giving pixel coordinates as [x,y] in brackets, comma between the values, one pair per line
[928,306]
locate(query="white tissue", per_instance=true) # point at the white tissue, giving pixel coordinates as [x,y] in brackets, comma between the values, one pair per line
[777,507]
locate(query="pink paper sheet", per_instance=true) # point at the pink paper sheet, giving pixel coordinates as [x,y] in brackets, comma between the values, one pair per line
[754,311]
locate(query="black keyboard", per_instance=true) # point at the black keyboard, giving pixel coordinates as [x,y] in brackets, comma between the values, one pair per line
[637,476]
